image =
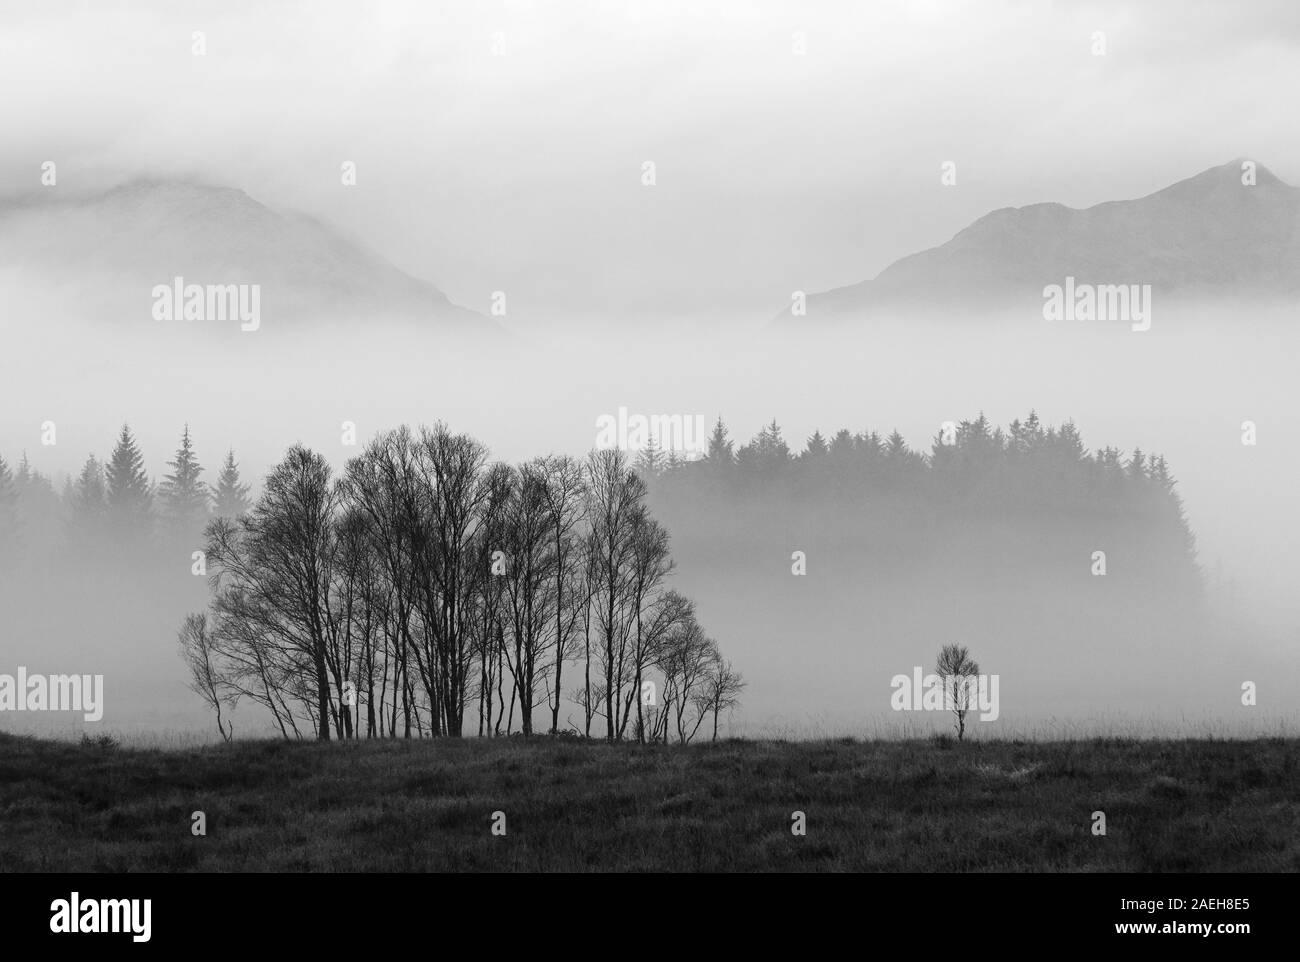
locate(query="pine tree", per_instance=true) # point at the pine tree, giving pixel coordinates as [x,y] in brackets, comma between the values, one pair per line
[8,490]
[869,446]
[8,507]
[1026,436]
[1164,483]
[1110,467]
[945,452]
[129,496]
[772,447]
[650,462]
[34,487]
[765,456]
[896,447]
[1069,445]
[977,438]
[720,452]
[231,497]
[816,446]
[87,499]
[1161,477]
[1137,466]
[39,514]
[185,498]
[901,465]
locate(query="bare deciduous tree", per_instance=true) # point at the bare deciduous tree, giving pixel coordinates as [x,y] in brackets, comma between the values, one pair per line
[276,572]
[205,678]
[564,492]
[720,691]
[687,658]
[957,670]
[615,496]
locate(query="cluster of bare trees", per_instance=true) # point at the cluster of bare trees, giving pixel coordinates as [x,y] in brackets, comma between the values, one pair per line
[425,582]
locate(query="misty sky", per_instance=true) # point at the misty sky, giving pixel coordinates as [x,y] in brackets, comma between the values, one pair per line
[775,172]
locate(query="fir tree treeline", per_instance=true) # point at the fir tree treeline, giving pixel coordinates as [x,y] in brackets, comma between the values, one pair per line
[426,591]
[113,506]
[977,476]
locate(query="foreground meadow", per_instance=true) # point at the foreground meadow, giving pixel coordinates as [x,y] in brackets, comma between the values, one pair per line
[571,805]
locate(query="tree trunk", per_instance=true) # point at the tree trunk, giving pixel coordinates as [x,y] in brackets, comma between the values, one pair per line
[322,698]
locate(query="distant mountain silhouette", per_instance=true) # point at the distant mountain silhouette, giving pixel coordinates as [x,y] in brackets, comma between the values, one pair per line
[1204,236]
[120,243]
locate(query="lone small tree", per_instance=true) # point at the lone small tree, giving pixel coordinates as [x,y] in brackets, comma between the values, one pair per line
[720,691]
[957,670]
[206,679]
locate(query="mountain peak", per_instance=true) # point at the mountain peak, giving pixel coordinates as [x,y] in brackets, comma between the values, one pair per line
[1225,178]
[1216,232]
[148,230]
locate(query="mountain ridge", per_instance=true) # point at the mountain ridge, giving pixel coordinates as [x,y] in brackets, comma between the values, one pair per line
[147,230]
[1205,234]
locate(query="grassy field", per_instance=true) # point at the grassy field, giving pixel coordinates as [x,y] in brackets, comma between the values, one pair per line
[922,806]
